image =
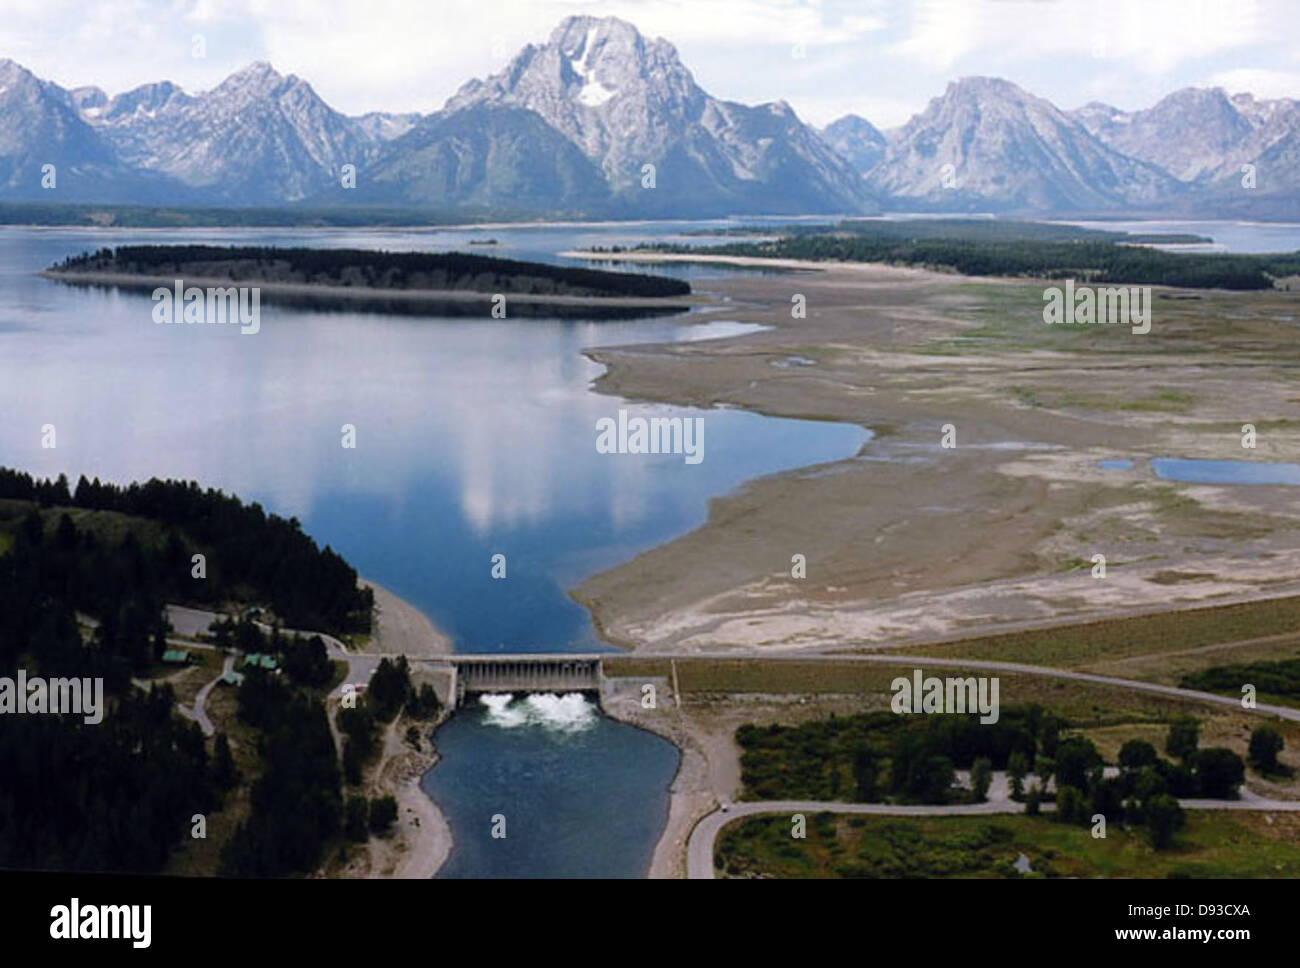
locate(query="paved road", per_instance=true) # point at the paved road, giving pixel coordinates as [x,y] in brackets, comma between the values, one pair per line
[1282,712]
[1176,692]
[699,848]
[199,714]
[191,622]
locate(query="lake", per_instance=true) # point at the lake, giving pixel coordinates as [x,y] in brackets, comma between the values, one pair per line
[473,437]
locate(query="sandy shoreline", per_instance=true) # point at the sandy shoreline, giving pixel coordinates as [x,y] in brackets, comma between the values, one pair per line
[420,840]
[423,837]
[401,627]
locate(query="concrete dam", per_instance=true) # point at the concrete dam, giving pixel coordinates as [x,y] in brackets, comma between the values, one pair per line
[523,672]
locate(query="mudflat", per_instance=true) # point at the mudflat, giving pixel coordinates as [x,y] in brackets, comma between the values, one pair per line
[910,540]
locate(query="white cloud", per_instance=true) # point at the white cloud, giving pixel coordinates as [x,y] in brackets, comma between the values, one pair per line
[1263,83]
[942,32]
[1150,36]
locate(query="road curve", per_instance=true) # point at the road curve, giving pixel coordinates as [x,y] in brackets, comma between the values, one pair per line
[699,847]
[200,713]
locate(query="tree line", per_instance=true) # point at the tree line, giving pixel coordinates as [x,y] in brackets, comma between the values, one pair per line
[879,755]
[1104,262]
[119,795]
[247,550]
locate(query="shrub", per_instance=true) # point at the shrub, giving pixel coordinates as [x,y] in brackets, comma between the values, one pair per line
[383,814]
[1265,743]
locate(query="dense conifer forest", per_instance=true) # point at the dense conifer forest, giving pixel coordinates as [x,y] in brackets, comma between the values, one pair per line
[251,555]
[84,577]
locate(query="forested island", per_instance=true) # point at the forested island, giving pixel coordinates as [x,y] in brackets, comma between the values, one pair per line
[991,248]
[389,272]
[85,574]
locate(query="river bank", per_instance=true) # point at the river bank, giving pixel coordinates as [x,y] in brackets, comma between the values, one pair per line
[420,840]
[401,627]
[691,796]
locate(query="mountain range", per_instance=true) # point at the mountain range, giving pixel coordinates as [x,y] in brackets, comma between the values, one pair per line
[601,121]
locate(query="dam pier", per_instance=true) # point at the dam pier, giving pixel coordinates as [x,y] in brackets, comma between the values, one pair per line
[456,677]
[563,672]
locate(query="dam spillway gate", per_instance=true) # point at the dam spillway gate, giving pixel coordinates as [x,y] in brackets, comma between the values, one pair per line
[561,673]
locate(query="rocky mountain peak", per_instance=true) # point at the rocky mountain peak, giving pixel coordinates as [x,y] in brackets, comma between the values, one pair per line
[256,74]
[588,63]
[987,144]
[856,140]
[625,101]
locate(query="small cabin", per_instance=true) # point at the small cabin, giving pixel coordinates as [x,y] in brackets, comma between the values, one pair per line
[260,660]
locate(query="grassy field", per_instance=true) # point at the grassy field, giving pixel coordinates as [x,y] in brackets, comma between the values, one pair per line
[1248,327]
[110,527]
[1213,844]
[1089,706]
[756,675]
[1074,646]
[699,677]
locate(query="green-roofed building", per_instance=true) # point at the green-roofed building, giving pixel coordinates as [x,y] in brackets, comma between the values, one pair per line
[260,660]
[176,657]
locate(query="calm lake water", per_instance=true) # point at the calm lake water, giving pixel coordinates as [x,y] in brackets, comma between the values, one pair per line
[1200,471]
[474,437]
[1227,236]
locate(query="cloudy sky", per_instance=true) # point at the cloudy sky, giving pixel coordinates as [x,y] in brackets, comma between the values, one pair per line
[883,60]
